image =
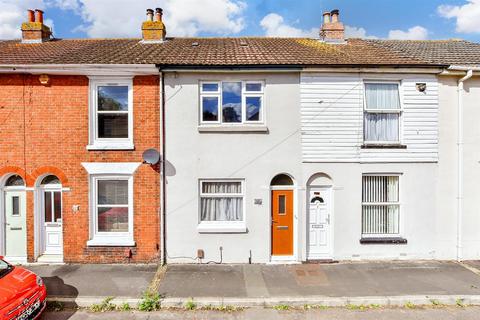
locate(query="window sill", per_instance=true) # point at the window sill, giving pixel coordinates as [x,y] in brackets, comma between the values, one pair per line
[383,240]
[111,242]
[222,228]
[111,146]
[384,146]
[233,128]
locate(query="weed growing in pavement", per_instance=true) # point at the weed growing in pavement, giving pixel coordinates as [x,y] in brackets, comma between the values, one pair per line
[436,303]
[190,305]
[150,301]
[222,308]
[281,307]
[104,306]
[314,307]
[409,305]
[124,307]
[356,307]
[460,303]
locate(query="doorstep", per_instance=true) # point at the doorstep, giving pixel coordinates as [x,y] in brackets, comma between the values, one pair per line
[50,259]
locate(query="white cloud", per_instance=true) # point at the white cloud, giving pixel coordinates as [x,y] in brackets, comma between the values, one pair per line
[123,18]
[274,26]
[354,32]
[467,16]
[64,4]
[13,13]
[414,33]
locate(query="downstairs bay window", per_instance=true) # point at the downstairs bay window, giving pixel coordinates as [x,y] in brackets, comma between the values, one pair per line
[380,206]
[222,206]
[382,114]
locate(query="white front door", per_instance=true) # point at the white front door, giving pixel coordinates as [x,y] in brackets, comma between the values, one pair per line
[319,223]
[52,218]
[15,225]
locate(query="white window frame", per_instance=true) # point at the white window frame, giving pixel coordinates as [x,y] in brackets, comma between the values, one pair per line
[96,143]
[110,171]
[398,203]
[244,96]
[221,226]
[394,111]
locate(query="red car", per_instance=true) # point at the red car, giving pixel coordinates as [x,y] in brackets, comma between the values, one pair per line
[22,293]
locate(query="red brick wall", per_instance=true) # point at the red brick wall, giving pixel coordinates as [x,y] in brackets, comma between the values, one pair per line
[44,129]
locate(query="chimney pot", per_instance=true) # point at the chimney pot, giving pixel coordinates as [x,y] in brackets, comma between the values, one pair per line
[30,16]
[158,14]
[39,15]
[149,15]
[335,13]
[326,17]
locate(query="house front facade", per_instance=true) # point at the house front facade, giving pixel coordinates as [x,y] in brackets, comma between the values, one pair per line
[348,154]
[73,185]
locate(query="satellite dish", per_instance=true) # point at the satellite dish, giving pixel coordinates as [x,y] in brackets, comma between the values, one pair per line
[151,156]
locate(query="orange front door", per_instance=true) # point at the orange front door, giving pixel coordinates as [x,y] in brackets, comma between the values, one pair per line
[282,222]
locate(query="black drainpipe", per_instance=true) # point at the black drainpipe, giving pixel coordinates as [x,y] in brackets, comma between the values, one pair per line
[163,173]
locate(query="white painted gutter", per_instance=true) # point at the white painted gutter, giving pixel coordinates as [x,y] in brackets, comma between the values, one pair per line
[460,143]
[82,69]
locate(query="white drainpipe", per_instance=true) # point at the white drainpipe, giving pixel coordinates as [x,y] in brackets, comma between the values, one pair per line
[460,162]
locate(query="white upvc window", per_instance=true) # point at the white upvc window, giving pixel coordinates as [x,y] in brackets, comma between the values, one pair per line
[222,206]
[111,113]
[380,205]
[382,113]
[232,102]
[111,203]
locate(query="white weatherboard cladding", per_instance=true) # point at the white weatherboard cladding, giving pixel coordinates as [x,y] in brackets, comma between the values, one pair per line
[332,119]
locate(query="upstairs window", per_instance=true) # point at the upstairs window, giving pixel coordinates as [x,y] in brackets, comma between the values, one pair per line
[111,114]
[232,102]
[382,113]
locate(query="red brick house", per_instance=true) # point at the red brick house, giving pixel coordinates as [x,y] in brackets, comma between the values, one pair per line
[74,124]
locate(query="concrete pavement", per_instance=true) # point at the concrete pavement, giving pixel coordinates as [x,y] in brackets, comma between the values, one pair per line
[444,313]
[331,280]
[75,281]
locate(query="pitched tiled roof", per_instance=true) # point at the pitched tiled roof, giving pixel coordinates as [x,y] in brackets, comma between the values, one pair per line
[450,52]
[241,52]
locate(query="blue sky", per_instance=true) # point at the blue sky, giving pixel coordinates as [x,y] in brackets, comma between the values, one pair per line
[402,19]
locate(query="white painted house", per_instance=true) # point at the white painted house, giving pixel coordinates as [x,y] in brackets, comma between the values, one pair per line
[292,150]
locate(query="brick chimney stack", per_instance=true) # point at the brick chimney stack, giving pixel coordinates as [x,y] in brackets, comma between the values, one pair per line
[332,29]
[34,31]
[154,31]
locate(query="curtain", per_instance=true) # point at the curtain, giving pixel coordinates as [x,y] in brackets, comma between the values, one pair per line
[222,207]
[382,96]
[381,126]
